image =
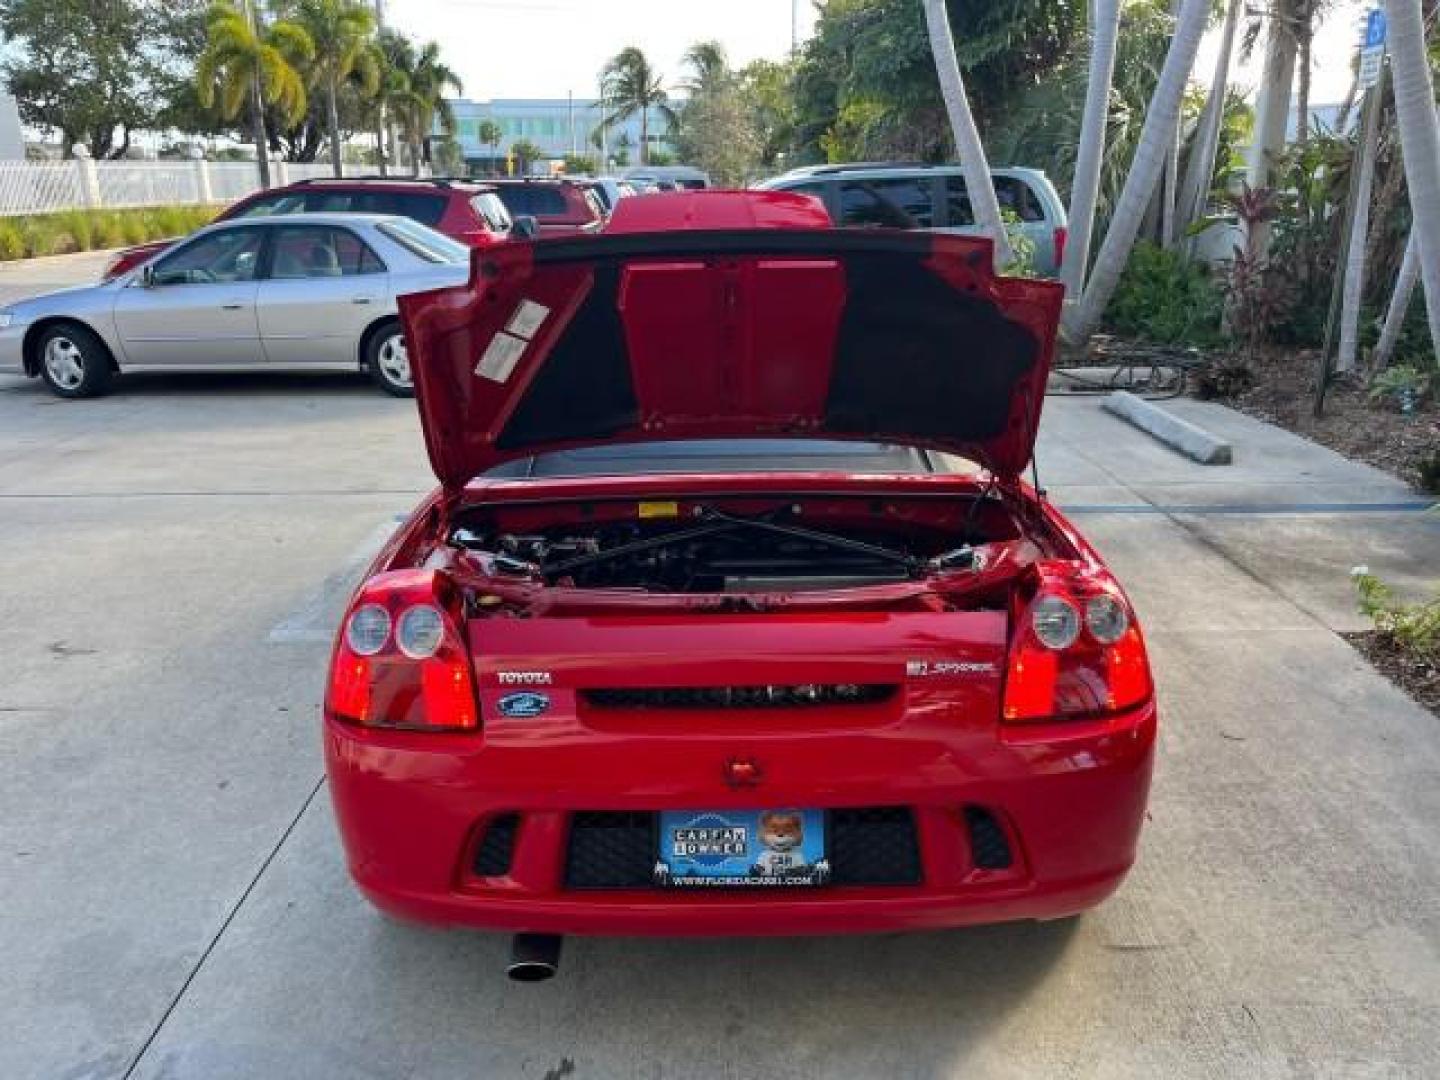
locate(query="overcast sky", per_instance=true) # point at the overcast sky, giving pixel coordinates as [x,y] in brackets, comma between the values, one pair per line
[544,48]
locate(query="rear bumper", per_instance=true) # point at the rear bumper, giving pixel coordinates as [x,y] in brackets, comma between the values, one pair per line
[412,810]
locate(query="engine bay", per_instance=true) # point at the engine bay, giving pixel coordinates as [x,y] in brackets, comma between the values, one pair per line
[739,546]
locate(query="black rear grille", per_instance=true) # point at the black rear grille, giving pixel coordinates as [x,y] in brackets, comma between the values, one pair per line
[989,849]
[867,846]
[740,697]
[497,846]
[611,851]
[874,846]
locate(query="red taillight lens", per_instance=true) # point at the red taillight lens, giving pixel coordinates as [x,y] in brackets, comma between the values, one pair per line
[1103,670]
[1061,235]
[410,670]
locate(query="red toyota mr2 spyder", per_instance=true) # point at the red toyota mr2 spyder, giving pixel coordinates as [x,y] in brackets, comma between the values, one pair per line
[731,614]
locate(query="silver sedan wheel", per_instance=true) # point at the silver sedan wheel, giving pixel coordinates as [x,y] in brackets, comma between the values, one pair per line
[394,361]
[65,363]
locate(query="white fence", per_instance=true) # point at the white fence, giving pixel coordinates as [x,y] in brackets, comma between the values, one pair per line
[37,187]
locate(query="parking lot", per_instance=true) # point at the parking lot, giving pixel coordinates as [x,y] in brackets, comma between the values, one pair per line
[176,905]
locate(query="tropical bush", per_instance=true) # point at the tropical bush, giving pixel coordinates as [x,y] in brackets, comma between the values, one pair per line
[30,235]
[1166,298]
[1415,627]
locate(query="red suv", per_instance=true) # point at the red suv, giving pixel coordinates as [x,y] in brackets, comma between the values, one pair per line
[470,213]
[560,206]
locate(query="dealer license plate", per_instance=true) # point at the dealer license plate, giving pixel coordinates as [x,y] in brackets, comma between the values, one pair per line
[742,848]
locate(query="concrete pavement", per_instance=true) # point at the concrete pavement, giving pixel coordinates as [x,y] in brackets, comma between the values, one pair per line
[175,903]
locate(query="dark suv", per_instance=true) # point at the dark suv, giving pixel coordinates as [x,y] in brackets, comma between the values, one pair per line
[469,212]
[560,206]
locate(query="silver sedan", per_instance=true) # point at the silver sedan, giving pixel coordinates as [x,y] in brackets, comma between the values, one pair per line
[311,290]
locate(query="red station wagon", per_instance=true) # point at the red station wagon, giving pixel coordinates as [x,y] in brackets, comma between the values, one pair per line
[559,206]
[470,213]
[732,613]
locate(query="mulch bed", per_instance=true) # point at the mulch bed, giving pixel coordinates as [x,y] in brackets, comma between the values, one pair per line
[1417,676]
[1284,394]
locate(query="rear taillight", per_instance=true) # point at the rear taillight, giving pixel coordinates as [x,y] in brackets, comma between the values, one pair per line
[401,661]
[1075,652]
[1061,235]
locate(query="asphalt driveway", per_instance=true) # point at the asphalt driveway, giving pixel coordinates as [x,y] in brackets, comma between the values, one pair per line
[175,904]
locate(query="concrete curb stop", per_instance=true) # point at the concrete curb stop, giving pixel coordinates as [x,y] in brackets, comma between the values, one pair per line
[1180,435]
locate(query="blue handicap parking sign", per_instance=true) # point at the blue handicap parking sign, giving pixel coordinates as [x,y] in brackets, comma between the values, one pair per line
[1375,29]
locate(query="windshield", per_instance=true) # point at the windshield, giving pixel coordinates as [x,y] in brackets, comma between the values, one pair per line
[425,242]
[729,456]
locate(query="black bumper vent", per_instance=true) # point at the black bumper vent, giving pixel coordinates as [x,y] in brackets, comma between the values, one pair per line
[611,851]
[989,849]
[497,846]
[874,846]
[740,697]
[868,846]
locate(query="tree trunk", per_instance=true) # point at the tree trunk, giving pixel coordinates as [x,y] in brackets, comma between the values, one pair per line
[380,139]
[978,183]
[1303,30]
[1155,136]
[257,130]
[1399,304]
[1419,142]
[1085,188]
[1359,228]
[1272,111]
[1167,191]
[1200,170]
[332,122]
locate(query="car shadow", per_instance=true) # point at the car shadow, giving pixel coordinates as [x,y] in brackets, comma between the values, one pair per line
[913,1004]
[161,384]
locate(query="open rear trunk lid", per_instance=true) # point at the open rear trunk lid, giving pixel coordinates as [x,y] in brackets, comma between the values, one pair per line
[883,336]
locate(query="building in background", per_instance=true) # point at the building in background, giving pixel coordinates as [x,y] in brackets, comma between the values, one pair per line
[557,126]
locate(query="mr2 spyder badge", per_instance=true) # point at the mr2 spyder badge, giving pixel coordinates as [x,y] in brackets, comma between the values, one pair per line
[524,704]
[919,669]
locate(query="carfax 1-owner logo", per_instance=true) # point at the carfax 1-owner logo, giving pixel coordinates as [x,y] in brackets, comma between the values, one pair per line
[718,849]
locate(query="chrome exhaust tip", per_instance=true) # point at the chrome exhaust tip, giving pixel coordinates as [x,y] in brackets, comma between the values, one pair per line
[534,957]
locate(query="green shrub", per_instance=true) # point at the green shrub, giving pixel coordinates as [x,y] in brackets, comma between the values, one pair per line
[1166,298]
[29,235]
[1414,626]
[12,243]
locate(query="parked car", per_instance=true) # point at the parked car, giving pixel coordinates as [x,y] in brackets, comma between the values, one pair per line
[738,645]
[671,177]
[933,197]
[608,190]
[560,206]
[304,291]
[466,211]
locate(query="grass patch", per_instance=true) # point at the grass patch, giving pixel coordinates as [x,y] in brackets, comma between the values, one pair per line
[29,235]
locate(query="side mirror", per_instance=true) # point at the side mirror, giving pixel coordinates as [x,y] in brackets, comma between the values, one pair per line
[147,277]
[525,227]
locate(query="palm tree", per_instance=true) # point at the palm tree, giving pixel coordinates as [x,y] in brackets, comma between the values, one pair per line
[525,152]
[489,134]
[1085,187]
[243,64]
[430,78]
[341,31]
[1272,107]
[395,57]
[1419,142]
[629,85]
[1399,304]
[1156,135]
[709,65]
[978,183]
[1362,181]
[1201,167]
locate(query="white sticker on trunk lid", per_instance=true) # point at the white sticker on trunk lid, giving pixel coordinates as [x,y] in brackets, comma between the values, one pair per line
[528,318]
[500,357]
